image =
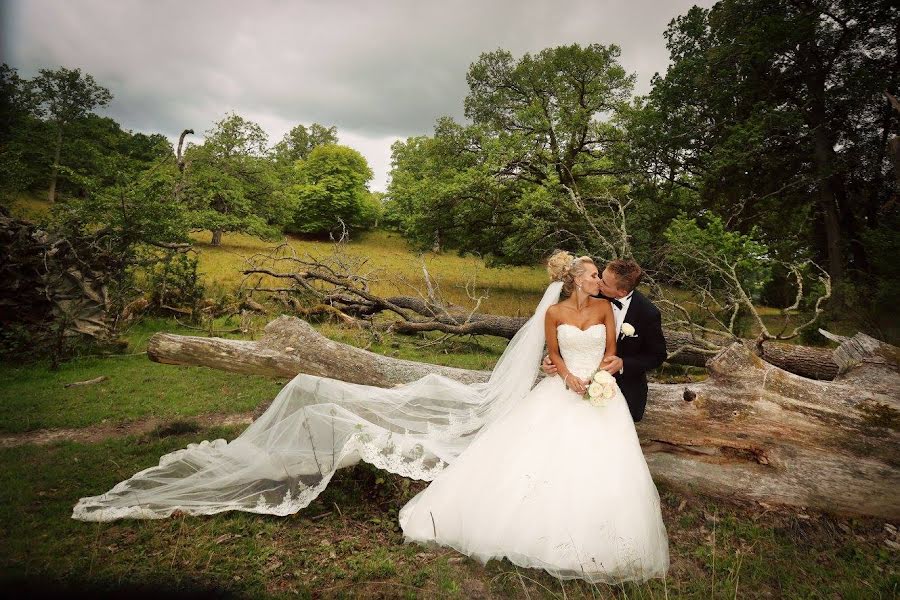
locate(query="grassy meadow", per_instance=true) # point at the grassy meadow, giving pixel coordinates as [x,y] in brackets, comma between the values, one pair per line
[394,267]
[347,543]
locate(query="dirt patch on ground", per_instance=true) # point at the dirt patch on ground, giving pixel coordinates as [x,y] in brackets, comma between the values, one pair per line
[102,431]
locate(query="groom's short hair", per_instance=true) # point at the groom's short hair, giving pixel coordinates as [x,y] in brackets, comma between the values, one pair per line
[627,272]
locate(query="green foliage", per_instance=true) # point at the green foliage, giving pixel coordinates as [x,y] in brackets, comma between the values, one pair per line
[882,289]
[299,142]
[65,95]
[62,97]
[545,107]
[135,227]
[710,253]
[772,115]
[25,140]
[330,189]
[175,281]
[232,185]
[542,125]
[441,192]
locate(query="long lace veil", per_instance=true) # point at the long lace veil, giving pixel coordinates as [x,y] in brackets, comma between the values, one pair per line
[315,426]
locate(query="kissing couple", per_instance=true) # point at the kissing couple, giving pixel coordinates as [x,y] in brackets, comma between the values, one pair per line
[545,475]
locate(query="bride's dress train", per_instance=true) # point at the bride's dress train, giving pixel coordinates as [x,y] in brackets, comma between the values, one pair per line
[553,479]
[556,483]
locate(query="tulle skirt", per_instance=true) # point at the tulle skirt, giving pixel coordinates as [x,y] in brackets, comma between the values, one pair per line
[556,484]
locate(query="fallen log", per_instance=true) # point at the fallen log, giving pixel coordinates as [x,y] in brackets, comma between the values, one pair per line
[751,431]
[807,361]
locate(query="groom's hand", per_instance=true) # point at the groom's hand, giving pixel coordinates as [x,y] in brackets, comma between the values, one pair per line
[612,365]
[548,367]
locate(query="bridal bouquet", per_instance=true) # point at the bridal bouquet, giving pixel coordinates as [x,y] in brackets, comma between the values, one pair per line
[602,388]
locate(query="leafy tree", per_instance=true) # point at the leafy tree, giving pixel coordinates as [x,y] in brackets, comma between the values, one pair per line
[102,154]
[544,128]
[231,184]
[299,142]
[372,210]
[331,190]
[439,186]
[13,111]
[772,114]
[546,110]
[63,96]
[712,253]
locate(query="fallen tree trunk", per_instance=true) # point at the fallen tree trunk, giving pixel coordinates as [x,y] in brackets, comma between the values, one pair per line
[815,363]
[750,431]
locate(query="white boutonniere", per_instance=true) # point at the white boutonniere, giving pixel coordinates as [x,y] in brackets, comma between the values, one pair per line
[628,330]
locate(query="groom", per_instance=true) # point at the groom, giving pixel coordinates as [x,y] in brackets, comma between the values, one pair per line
[640,345]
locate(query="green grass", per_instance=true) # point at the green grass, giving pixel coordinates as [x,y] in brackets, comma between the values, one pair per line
[30,206]
[347,543]
[396,267]
[33,396]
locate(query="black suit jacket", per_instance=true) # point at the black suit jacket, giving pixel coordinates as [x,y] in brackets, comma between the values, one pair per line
[641,353]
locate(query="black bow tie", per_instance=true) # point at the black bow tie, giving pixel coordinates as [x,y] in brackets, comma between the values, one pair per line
[614,301]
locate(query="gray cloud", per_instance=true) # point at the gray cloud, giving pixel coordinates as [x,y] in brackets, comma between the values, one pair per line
[380,71]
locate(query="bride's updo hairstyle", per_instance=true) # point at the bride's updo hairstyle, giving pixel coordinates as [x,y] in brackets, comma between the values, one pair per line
[563,266]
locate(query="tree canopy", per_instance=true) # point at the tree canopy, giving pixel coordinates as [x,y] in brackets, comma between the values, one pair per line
[231,184]
[330,191]
[63,96]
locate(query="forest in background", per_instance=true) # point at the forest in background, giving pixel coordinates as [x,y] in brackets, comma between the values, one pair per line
[759,170]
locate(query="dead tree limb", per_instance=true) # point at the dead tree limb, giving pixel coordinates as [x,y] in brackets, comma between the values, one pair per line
[334,283]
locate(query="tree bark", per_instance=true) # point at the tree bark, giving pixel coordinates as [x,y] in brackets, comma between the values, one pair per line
[829,182]
[54,171]
[751,431]
[216,237]
[807,361]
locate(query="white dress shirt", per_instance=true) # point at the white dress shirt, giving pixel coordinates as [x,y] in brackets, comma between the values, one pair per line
[619,313]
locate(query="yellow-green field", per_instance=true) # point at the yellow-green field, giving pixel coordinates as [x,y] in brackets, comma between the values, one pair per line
[396,268]
[27,206]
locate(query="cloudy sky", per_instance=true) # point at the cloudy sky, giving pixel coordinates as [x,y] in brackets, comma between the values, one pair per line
[378,70]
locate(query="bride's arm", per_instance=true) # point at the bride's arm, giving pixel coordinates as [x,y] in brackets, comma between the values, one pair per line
[550,323]
[610,320]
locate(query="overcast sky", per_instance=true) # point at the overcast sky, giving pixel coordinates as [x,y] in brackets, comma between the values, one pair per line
[378,70]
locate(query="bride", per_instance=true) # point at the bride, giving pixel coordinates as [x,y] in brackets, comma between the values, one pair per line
[539,476]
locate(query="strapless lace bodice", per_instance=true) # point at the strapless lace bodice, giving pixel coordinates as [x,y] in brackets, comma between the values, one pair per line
[581,350]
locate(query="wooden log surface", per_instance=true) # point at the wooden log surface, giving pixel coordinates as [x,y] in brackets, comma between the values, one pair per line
[808,361]
[751,431]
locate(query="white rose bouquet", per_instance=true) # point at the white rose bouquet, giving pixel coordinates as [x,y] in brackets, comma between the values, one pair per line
[602,388]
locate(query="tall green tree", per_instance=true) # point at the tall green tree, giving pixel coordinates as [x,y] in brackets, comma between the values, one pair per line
[230,183]
[299,142]
[545,127]
[437,186]
[63,96]
[772,113]
[15,118]
[553,111]
[330,191]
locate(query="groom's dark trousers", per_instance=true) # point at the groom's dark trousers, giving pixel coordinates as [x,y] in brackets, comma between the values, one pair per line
[640,353]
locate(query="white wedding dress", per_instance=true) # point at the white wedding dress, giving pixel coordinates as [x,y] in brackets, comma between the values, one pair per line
[537,475]
[556,483]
